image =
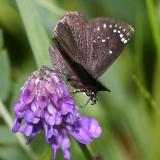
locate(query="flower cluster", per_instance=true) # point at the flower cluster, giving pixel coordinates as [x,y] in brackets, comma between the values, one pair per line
[46,104]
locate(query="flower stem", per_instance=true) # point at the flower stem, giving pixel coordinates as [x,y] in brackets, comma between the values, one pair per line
[88,154]
[86,151]
[21,139]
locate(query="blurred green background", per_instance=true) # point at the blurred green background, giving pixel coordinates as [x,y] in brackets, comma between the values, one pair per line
[129,115]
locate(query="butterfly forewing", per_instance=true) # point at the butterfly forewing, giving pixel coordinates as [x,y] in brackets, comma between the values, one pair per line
[70,33]
[94,44]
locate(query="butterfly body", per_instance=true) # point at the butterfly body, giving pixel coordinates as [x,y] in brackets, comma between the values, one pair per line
[85,49]
[76,75]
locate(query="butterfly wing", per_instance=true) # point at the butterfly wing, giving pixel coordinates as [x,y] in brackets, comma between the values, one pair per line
[94,45]
[59,62]
[75,73]
[108,38]
[70,34]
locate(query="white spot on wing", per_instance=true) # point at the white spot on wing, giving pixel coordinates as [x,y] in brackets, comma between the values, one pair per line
[104,25]
[98,28]
[121,35]
[114,30]
[122,39]
[110,52]
[110,26]
[103,40]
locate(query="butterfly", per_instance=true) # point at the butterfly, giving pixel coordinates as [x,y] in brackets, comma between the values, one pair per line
[86,49]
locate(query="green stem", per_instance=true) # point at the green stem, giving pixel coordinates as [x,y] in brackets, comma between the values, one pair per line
[21,139]
[86,151]
[88,154]
[154,24]
[156,35]
[145,93]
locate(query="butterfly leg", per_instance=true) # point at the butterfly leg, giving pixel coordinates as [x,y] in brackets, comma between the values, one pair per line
[77,91]
[81,107]
[92,96]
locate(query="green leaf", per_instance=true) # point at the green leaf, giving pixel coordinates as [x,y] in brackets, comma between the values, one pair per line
[8,120]
[9,18]
[12,153]
[4,71]
[1,39]
[155,33]
[35,31]
[121,9]
[8,136]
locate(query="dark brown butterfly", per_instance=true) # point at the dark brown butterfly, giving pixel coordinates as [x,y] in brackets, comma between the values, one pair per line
[85,49]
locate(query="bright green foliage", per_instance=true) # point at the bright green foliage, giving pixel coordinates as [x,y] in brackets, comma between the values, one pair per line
[4,70]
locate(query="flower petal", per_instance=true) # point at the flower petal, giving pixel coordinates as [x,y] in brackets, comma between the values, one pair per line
[66,154]
[65,140]
[86,130]
[55,149]
[16,125]
[51,88]
[50,119]
[94,128]
[26,129]
[27,96]
[55,100]
[51,109]
[58,118]
[42,101]
[70,118]
[67,106]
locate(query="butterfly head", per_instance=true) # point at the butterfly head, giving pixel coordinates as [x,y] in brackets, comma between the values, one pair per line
[92,96]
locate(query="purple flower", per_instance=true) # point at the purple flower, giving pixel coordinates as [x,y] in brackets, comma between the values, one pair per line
[46,104]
